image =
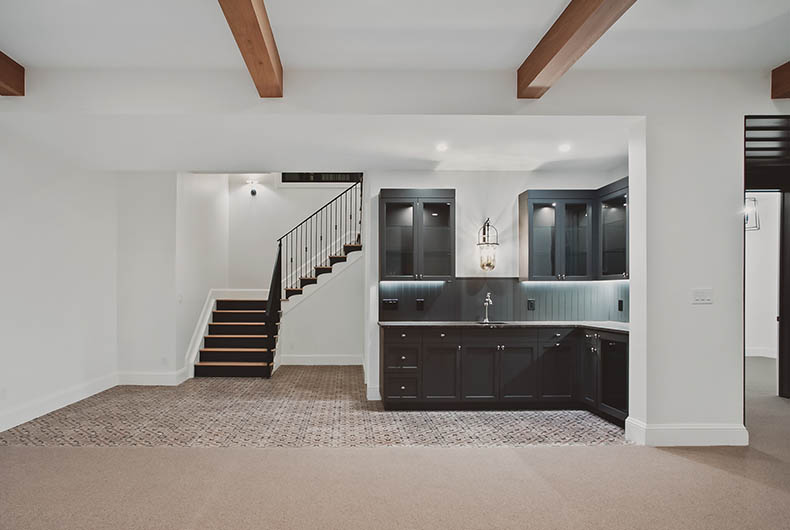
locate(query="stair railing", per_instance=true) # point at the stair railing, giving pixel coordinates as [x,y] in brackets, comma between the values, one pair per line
[319,238]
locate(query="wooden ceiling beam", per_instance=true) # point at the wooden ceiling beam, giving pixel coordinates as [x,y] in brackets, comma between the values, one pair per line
[780,82]
[250,26]
[572,34]
[12,77]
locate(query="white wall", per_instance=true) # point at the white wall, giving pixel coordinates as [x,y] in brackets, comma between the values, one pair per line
[57,283]
[146,277]
[762,278]
[689,359]
[201,249]
[324,326]
[257,222]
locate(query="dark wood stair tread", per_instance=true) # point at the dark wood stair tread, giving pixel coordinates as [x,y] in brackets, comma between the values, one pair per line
[246,350]
[233,363]
[236,336]
[308,278]
[237,323]
[239,311]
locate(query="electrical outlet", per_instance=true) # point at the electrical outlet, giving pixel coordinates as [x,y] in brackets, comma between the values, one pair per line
[619,305]
[530,304]
[702,296]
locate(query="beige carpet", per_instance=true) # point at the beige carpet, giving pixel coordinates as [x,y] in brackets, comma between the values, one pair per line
[607,487]
[382,488]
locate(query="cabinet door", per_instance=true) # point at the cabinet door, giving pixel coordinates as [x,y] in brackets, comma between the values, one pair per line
[479,373]
[614,235]
[518,373]
[557,367]
[436,248]
[543,263]
[398,239]
[589,373]
[614,375]
[575,239]
[440,367]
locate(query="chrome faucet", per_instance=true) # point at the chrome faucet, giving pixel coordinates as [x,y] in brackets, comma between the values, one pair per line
[487,302]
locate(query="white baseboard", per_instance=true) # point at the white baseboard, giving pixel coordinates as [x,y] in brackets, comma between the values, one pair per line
[685,434]
[55,401]
[154,378]
[319,360]
[373,393]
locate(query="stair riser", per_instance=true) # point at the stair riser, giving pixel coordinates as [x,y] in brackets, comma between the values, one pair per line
[236,357]
[236,342]
[241,304]
[305,283]
[233,371]
[238,317]
[216,329]
[337,259]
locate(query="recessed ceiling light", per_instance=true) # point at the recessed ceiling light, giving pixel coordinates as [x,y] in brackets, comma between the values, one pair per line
[564,148]
[442,147]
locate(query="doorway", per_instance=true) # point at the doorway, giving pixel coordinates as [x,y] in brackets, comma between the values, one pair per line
[767,256]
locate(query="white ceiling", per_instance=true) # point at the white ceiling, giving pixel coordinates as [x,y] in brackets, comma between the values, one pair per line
[388,34]
[247,143]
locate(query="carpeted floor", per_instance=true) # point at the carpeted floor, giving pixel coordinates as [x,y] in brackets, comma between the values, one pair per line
[301,406]
[602,487]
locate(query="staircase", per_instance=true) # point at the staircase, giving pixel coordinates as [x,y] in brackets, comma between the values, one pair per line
[240,341]
[242,334]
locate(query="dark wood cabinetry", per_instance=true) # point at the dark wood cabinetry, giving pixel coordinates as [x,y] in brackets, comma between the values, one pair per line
[417,234]
[574,234]
[518,373]
[505,367]
[558,353]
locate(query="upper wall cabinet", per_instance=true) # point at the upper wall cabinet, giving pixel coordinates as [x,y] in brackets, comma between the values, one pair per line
[613,208]
[417,234]
[560,226]
[574,234]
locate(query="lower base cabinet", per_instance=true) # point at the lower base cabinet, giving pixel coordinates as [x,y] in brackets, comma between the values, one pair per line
[518,373]
[504,368]
[439,372]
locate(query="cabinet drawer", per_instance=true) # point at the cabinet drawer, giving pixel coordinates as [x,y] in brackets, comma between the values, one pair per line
[494,336]
[441,335]
[548,335]
[398,387]
[402,335]
[401,357]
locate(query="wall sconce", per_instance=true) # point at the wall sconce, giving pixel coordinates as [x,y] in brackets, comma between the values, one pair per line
[487,242]
[252,182]
[751,217]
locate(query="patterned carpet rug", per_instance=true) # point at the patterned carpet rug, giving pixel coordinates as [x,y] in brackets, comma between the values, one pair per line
[300,406]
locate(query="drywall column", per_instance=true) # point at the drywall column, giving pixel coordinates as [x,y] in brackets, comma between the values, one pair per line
[146,279]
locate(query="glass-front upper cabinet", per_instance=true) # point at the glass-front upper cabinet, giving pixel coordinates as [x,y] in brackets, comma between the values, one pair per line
[613,206]
[417,234]
[560,237]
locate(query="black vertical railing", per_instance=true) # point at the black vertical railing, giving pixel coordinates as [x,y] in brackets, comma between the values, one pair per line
[324,235]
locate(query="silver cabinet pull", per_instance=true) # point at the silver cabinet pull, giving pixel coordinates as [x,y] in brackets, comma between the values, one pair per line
[402,357]
[503,347]
[558,335]
[403,387]
[442,335]
[403,335]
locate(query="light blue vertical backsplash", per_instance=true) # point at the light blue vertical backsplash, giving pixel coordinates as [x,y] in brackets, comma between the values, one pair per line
[573,300]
